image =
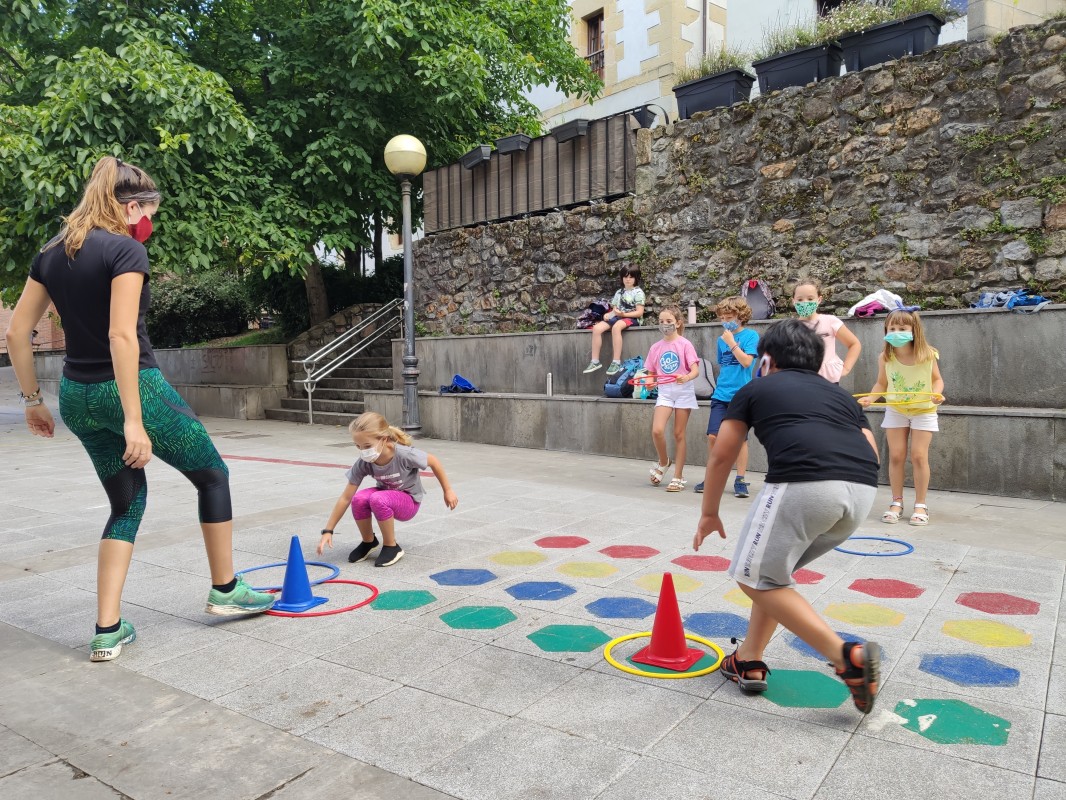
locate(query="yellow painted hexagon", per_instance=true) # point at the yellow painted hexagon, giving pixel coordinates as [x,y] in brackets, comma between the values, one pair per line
[738,598]
[587,569]
[869,614]
[653,582]
[987,632]
[518,558]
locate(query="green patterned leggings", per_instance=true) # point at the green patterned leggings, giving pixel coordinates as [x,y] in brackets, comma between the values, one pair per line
[93,413]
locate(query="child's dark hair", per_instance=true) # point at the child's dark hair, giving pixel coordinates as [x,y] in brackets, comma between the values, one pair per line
[792,345]
[630,270]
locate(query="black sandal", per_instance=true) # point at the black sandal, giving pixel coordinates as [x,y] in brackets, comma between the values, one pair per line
[862,675]
[737,671]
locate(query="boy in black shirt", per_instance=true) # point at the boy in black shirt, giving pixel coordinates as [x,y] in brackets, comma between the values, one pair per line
[820,485]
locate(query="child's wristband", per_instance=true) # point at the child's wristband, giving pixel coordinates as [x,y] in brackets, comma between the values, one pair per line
[327,530]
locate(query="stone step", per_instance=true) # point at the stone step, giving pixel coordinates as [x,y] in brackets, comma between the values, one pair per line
[369,373]
[330,394]
[353,407]
[321,417]
[357,384]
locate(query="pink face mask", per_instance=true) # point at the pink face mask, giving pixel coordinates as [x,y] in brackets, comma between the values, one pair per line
[141,229]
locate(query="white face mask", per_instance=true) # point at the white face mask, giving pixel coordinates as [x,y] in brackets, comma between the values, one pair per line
[370,454]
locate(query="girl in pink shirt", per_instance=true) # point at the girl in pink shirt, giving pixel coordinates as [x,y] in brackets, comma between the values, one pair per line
[672,355]
[805,299]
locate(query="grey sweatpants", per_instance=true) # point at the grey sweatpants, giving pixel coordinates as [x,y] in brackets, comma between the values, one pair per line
[792,524]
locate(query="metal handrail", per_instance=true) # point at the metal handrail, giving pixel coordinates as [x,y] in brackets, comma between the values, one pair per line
[309,363]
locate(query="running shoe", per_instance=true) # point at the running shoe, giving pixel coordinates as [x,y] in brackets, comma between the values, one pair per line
[242,600]
[107,646]
[740,487]
[362,552]
[593,366]
[389,555]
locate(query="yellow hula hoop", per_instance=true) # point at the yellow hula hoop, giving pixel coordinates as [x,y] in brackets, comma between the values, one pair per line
[645,674]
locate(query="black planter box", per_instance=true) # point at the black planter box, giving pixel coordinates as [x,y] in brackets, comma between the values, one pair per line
[515,143]
[910,36]
[713,91]
[479,155]
[798,67]
[570,130]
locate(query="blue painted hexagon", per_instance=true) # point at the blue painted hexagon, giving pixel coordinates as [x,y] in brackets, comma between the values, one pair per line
[969,670]
[540,590]
[798,644]
[716,625]
[463,577]
[621,608]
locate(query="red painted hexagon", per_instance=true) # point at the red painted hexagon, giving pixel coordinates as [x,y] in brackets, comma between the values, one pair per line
[886,587]
[629,551]
[807,576]
[998,603]
[562,542]
[702,563]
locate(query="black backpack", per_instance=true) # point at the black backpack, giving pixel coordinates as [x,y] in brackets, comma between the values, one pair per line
[757,295]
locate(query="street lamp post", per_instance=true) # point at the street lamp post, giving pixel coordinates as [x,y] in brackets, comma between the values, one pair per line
[406,158]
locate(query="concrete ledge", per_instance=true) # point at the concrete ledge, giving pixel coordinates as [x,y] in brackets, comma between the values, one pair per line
[1017,452]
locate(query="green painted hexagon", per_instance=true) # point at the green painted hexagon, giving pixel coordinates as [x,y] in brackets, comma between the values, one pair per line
[478,617]
[398,600]
[953,722]
[569,638]
[804,688]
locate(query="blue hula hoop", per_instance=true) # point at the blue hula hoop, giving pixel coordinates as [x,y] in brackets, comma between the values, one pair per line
[908,545]
[334,567]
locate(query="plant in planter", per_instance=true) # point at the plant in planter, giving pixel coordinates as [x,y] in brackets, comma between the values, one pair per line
[718,79]
[795,54]
[874,31]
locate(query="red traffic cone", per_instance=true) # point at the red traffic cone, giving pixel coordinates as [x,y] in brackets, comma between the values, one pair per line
[296,590]
[668,648]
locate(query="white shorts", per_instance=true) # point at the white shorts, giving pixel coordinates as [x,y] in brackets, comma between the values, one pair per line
[673,395]
[919,422]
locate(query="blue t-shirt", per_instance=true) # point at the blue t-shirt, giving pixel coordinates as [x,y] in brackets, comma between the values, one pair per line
[732,375]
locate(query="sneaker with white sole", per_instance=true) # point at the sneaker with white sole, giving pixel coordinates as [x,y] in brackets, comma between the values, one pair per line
[107,646]
[614,368]
[740,487]
[389,555]
[363,551]
[242,600]
[593,366]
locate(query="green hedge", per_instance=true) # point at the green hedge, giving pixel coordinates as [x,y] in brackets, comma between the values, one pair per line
[197,308]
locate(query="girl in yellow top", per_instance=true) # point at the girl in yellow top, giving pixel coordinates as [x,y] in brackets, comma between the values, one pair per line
[908,372]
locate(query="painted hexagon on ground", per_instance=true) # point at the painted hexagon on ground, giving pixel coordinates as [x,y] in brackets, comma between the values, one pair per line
[969,670]
[587,569]
[998,603]
[561,542]
[886,587]
[463,577]
[801,646]
[702,563]
[737,598]
[629,551]
[518,558]
[653,582]
[867,614]
[540,590]
[569,638]
[987,632]
[716,625]
[478,617]
[802,688]
[807,576]
[621,608]
[953,722]
[402,600]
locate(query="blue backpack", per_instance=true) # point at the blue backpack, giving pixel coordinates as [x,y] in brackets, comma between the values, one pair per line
[460,385]
[618,385]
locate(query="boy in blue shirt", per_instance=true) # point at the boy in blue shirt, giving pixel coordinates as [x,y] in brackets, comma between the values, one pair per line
[737,348]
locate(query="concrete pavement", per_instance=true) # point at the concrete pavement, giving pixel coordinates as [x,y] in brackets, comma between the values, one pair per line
[478,672]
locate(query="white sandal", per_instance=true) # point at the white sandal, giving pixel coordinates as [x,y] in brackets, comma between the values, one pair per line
[920,517]
[891,517]
[657,472]
[677,485]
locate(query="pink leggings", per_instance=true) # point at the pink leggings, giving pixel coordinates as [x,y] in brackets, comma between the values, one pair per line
[383,504]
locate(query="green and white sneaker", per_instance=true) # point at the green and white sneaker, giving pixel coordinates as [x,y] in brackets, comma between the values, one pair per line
[107,646]
[242,600]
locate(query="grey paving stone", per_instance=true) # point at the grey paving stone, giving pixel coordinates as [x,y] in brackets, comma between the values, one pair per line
[171,638]
[522,759]
[652,779]
[307,696]
[1053,749]
[18,752]
[407,731]
[878,770]
[1056,693]
[802,753]
[1045,790]
[432,620]
[339,777]
[30,611]
[55,779]
[29,586]
[402,652]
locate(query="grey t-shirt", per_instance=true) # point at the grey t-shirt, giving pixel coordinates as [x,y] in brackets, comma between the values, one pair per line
[400,474]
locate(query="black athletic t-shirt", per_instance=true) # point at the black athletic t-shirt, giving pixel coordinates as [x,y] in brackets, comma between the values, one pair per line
[811,428]
[81,291]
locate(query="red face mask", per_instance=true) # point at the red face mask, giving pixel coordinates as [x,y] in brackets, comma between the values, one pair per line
[141,229]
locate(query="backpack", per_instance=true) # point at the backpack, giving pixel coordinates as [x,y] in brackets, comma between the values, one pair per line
[593,314]
[618,385]
[757,295]
[704,383]
[460,385]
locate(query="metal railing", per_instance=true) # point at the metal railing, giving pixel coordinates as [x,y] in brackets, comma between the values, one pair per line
[596,62]
[385,319]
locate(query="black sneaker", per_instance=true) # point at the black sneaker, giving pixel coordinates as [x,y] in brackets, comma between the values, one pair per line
[362,552]
[389,555]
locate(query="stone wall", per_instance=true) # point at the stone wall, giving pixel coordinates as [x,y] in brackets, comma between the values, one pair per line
[938,177]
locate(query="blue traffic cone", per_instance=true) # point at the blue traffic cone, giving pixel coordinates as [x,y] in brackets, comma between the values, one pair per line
[296,590]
